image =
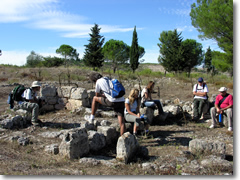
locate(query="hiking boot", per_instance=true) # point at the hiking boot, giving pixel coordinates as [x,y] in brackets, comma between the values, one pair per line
[87,118]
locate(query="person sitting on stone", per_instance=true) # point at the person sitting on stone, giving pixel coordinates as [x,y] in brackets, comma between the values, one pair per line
[104,98]
[147,100]
[30,102]
[200,91]
[131,112]
[223,105]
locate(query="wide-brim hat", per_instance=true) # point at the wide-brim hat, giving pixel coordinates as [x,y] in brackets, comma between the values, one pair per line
[36,84]
[222,89]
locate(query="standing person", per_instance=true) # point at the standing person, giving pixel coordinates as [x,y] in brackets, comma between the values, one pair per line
[30,102]
[149,102]
[131,113]
[103,97]
[200,91]
[223,105]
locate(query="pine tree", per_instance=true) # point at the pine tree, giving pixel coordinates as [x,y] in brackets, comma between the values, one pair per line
[93,55]
[208,60]
[134,52]
[171,51]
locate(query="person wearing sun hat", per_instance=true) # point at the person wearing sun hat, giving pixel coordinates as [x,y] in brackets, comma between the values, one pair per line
[200,91]
[223,105]
[30,102]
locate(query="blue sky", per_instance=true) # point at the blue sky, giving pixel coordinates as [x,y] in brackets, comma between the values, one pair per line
[44,25]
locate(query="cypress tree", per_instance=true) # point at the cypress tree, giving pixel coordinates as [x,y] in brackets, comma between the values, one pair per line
[134,52]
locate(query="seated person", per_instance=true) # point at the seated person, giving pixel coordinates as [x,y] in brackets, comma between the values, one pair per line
[147,100]
[223,104]
[131,112]
[200,91]
[30,102]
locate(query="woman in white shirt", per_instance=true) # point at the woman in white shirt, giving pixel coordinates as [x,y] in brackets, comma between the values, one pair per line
[149,102]
[131,112]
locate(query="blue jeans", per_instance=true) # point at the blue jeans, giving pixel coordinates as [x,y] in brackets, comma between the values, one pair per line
[152,104]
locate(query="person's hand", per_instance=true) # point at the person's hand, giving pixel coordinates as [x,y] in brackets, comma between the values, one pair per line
[218,110]
[138,115]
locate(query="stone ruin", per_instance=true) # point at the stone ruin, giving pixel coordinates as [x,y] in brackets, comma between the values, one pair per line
[79,141]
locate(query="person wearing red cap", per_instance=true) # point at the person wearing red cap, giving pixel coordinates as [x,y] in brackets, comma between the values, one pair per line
[200,91]
[223,105]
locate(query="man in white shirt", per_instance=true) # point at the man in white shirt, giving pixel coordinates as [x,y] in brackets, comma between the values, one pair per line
[30,102]
[103,97]
[200,91]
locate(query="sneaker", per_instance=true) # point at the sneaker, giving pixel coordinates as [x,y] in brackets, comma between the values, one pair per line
[230,129]
[212,126]
[87,118]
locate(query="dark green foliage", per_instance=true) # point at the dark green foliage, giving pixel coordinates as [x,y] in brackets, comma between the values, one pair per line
[69,53]
[34,60]
[192,54]
[93,55]
[214,20]
[116,52]
[208,60]
[171,51]
[134,51]
[52,61]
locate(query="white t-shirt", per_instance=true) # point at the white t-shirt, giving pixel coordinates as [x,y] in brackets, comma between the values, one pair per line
[142,95]
[133,107]
[28,94]
[200,89]
[103,87]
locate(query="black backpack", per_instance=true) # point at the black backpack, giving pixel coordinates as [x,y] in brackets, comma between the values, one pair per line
[16,95]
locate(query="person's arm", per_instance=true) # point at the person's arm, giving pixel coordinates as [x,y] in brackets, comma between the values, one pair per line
[229,106]
[127,106]
[199,93]
[196,93]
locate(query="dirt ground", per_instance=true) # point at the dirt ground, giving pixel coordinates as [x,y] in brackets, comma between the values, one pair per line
[166,141]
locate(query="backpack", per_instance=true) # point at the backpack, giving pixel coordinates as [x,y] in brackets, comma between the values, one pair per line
[116,90]
[16,95]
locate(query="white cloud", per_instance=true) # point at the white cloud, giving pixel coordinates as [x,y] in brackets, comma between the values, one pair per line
[19,58]
[172,11]
[22,10]
[186,28]
[45,14]
[14,57]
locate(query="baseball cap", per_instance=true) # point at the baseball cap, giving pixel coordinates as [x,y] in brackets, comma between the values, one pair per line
[200,79]
[222,89]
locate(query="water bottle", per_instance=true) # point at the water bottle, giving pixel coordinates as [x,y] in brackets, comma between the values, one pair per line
[220,118]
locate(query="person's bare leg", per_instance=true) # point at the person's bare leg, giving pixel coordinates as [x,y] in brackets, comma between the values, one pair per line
[122,125]
[95,102]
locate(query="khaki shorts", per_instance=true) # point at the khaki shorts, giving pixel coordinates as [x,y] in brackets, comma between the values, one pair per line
[118,107]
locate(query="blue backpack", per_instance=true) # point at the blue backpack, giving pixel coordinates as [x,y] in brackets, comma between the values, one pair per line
[116,89]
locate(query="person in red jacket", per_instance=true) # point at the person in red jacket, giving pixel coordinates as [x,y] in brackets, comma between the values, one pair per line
[223,104]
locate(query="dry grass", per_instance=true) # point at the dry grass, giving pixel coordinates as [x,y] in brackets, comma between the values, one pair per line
[167,141]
